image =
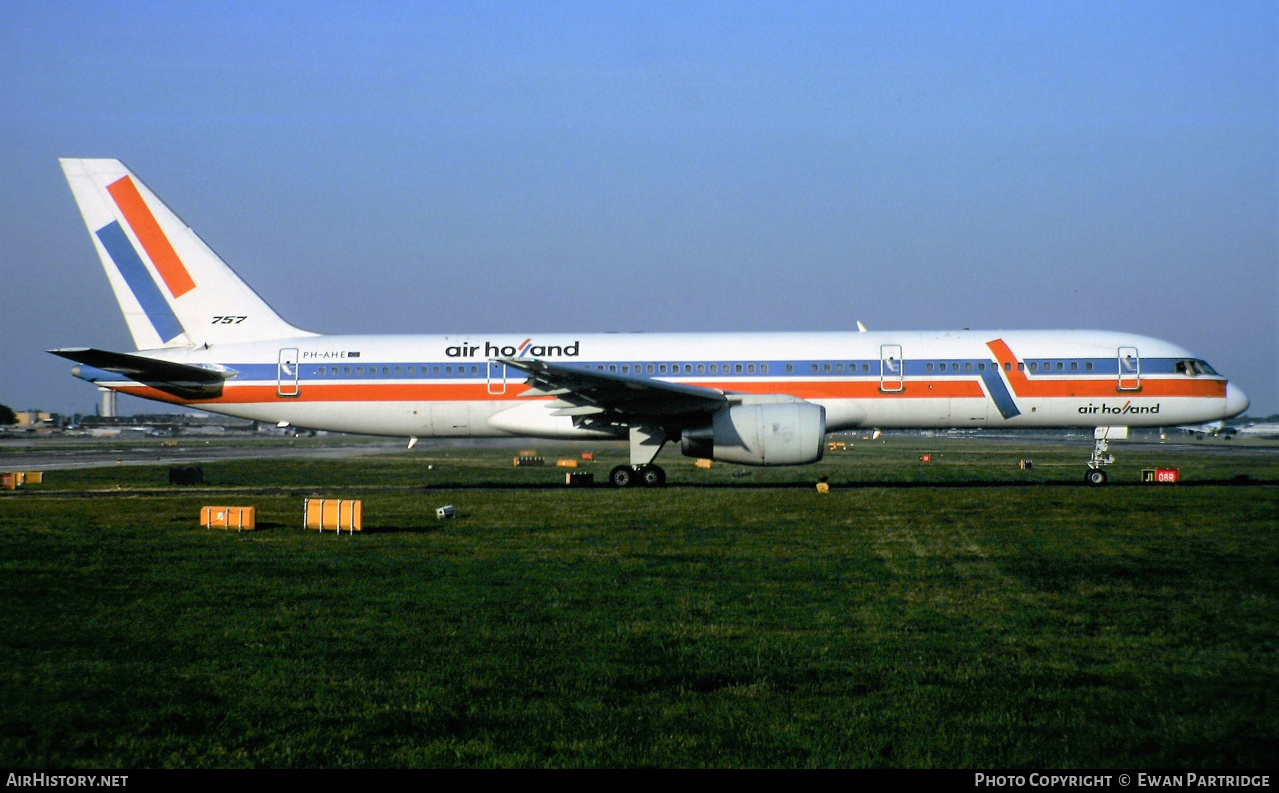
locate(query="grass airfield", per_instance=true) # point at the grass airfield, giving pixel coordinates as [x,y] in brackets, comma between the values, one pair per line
[956,613]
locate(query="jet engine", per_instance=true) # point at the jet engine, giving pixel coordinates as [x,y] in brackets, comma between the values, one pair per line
[773,433]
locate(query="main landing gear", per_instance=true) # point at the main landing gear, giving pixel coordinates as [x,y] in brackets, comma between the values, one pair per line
[637,476]
[646,442]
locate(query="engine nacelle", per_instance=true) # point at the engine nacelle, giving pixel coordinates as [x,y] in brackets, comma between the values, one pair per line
[785,433]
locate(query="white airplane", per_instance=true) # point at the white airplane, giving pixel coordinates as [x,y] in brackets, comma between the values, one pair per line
[206,340]
[1255,429]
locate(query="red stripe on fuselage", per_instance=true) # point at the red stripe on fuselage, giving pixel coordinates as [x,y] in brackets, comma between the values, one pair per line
[1023,386]
[320,391]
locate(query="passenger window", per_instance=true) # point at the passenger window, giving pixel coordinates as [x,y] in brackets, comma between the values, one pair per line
[626,368]
[750,367]
[714,368]
[412,371]
[1034,367]
[650,368]
[941,366]
[397,371]
[814,368]
[448,370]
[865,367]
[1008,366]
[790,368]
[929,367]
[701,368]
[662,368]
[981,366]
[839,367]
[968,367]
[763,368]
[612,367]
[688,368]
[1021,366]
[1088,365]
[359,371]
[435,370]
[737,368]
[1061,367]
[1074,366]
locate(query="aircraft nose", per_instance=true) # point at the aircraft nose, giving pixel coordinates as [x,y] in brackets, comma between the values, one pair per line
[1236,400]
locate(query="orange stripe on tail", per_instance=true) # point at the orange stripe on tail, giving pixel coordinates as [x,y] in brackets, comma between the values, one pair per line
[148,232]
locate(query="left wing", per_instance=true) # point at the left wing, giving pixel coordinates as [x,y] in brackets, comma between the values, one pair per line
[580,391]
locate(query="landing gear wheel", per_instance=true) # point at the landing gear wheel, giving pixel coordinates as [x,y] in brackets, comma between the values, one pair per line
[1095,477]
[623,476]
[652,476]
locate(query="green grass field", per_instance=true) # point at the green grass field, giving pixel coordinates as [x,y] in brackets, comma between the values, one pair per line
[898,621]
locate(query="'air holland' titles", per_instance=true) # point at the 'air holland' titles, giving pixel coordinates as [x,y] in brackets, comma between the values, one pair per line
[1127,408]
[525,350]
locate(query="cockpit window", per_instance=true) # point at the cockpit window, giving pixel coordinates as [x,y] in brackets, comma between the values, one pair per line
[1195,368]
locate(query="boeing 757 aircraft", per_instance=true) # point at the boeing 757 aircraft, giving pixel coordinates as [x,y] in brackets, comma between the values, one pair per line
[206,340]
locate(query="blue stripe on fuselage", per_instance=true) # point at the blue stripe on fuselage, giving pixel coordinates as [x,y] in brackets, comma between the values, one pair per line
[999,392]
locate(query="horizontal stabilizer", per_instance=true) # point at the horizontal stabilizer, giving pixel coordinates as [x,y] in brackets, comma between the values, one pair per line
[179,379]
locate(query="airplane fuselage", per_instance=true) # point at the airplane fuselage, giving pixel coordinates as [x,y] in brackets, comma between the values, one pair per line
[441,386]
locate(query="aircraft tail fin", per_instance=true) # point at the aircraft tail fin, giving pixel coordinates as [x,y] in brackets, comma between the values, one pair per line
[173,289]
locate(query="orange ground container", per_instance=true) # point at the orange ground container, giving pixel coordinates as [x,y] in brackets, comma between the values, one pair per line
[566,463]
[238,518]
[703,463]
[333,513]
[34,478]
[10,481]
[588,456]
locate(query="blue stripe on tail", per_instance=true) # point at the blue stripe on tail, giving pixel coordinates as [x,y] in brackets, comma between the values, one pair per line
[140,281]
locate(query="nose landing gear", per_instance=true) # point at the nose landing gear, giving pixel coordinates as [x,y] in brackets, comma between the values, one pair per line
[1101,453]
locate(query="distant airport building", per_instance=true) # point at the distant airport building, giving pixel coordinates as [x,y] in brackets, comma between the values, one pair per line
[107,409]
[33,418]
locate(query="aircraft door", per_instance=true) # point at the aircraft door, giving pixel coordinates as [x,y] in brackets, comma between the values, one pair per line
[891,369]
[286,373]
[496,377]
[1129,369]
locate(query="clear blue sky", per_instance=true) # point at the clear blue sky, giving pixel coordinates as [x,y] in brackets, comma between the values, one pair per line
[534,167]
